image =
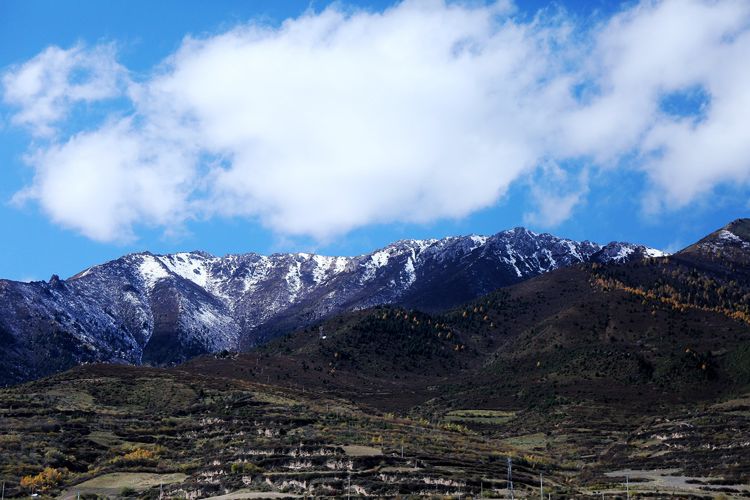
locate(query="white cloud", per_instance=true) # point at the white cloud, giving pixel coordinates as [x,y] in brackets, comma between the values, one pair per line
[45,87]
[103,182]
[340,119]
[555,193]
[654,50]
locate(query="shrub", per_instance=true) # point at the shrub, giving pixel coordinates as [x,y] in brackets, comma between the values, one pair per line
[450,426]
[53,457]
[138,456]
[45,480]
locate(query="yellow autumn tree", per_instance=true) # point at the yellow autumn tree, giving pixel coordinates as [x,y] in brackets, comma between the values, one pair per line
[43,481]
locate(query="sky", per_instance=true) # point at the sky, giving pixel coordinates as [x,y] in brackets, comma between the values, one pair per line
[337,128]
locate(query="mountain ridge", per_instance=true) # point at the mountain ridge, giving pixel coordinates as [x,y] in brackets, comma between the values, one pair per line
[145,308]
[642,332]
[402,242]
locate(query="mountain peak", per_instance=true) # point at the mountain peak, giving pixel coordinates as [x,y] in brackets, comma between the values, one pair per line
[618,251]
[520,230]
[727,245]
[739,228]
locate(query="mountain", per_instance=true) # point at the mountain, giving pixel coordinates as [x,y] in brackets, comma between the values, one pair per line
[642,331]
[584,376]
[640,365]
[725,250]
[164,309]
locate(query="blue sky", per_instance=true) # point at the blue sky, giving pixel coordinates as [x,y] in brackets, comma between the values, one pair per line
[603,164]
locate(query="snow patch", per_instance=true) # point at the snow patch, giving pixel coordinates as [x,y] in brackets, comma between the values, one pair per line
[729,236]
[340,264]
[512,260]
[622,253]
[327,267]
[151,271]
[376,261]
[294,280]
[84,273]
[256,274]
[411,275]
[421,245]
[322,264]
[478,241]
[552,262]
[573,249]
[653,252]
[188,266]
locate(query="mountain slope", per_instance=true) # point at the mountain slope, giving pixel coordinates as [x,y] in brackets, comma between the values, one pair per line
[635,362]
[726,250]
[659,329]
[163,309]
[560,335]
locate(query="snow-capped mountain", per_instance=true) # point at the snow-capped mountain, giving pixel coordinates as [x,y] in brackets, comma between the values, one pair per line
[161,309]
[621,252]
[728,245]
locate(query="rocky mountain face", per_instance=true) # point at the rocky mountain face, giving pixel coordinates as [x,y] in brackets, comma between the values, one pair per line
[726,249]
[164,309]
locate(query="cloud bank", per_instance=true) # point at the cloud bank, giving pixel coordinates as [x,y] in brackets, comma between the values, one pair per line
[342,118]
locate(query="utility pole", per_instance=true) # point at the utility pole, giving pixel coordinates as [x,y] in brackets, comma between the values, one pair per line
[541,487]
[349,487]
[510,478]
[3,494]
[627,486]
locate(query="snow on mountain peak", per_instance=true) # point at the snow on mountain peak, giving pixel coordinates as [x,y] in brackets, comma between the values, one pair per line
[325,266]
[152,270]
[617,251]
[478,240]
[191,266]
[653,252]
[729,236]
